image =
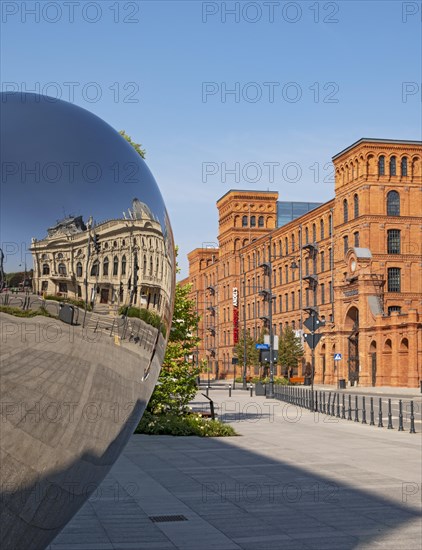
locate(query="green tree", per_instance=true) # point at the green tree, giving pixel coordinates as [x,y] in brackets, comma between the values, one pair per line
[136,146]
[290,349]
[252,354]
[176,384]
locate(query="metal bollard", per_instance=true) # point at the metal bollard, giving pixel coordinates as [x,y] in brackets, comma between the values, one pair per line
[401,429]
[230,391]
[363,411]
[316,401]
[343,411]
[380,424]
[207,390]
[372,415]
[338,406]
[390,416]
[412,419]
[356,409]
[251,388]
[349,412]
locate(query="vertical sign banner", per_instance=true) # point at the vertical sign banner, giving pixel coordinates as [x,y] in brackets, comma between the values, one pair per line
[235,316]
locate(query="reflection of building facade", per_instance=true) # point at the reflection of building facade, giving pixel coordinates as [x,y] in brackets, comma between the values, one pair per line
[105,256]
[356,259]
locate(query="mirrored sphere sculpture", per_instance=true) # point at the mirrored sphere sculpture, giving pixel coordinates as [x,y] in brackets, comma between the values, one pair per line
[87,285]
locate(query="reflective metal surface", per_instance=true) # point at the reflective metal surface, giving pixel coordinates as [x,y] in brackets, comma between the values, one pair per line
[84,223]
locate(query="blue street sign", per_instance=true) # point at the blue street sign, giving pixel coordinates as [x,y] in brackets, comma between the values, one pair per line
[337,357]
[262,346]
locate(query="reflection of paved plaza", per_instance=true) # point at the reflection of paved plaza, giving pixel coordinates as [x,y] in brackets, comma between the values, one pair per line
[68,397]
[291,482]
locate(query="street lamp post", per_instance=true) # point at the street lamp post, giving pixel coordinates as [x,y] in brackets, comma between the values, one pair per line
[244,330]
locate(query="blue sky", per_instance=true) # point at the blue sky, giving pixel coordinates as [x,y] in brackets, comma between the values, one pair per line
[338,70]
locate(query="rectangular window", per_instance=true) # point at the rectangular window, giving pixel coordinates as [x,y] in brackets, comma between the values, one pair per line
[394,279]
[393,241]
[323,293]
[280,303]
[293,300]
[286,299]
[322,261]
[393,308]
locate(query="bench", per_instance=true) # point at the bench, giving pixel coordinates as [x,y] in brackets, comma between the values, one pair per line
[297,380]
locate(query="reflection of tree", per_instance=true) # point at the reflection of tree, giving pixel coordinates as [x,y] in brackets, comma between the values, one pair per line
[136,146]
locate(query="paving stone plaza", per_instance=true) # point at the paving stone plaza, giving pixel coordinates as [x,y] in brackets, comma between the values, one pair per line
[292,480]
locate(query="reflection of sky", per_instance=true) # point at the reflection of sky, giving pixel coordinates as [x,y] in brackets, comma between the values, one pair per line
[58,159]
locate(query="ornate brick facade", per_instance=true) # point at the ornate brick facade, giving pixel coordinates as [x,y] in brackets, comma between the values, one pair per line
[356,259]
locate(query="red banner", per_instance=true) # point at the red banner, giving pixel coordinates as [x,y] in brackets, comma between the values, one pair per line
[235,325]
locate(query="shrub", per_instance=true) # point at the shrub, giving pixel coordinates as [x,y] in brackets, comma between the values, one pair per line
[77,303]
[191,424]
[25,313]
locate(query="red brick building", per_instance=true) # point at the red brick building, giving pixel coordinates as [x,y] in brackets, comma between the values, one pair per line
[356,259]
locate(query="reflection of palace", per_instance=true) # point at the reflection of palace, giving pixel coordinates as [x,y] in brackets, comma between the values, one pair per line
[113,249]
[356,259]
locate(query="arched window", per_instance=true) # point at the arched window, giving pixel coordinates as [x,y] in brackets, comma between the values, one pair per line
[356,205]
[393,166]
[322,229]
[62,269]
[124,265]
[286,245]
[244,221]
[322,261]
[95,269]
[115,266]
[150,265]
[105,266]
[46,269]
[60,256]
[293,242]
[314,233]
[393,203]
[381,165]
[404,166]
[79,269]
[393,241]
[261,221]
[356,239]
[306,235]
[330,226]
[345,211]
[253,221]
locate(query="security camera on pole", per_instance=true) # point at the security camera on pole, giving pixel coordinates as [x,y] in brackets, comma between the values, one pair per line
[313,323]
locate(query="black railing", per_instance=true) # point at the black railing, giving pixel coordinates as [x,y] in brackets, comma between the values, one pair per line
[397,414]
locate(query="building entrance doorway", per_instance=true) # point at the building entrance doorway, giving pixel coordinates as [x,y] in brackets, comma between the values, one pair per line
[104,296]
[352,324]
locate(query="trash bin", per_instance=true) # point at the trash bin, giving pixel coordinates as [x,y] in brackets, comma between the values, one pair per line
[342,384]
[307,381]
[260,389]
[66,313]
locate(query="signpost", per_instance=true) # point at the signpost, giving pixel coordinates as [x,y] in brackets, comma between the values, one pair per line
[262,346]
[313,323]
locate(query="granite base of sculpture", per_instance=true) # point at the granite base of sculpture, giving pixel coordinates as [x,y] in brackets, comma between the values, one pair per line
[84,336]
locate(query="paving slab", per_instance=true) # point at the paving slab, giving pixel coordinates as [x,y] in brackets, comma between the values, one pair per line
[290,481]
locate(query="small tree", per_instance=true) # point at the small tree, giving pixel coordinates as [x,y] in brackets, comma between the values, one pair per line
[136,146]
[176,384]
[252,354]
[290,349]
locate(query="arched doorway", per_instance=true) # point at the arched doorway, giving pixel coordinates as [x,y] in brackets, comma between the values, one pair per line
[352,326]
[373,354]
